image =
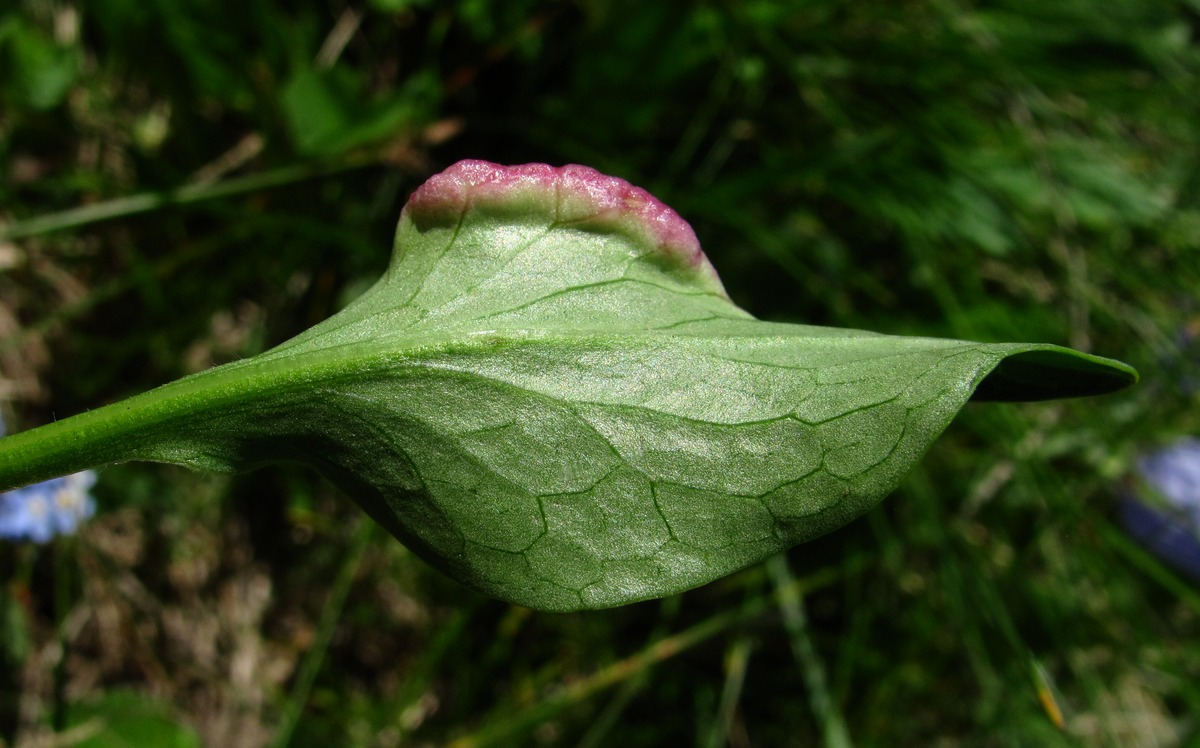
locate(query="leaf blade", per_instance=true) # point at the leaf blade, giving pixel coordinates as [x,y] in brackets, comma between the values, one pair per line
[550,397]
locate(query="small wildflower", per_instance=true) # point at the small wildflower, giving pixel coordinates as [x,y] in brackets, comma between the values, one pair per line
[43,510]
[1164,513]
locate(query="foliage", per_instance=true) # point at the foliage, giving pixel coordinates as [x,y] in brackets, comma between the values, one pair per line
[549,396]
[1006,170]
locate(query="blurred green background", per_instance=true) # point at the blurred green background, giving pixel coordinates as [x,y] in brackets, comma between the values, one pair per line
[232,172]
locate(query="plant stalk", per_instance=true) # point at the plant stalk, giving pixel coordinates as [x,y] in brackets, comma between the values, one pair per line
[190,193]
[131,429]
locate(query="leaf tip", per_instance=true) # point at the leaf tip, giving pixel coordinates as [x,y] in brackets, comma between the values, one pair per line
[1032,372]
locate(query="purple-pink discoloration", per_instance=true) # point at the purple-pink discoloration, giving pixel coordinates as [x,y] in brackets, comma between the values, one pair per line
[572,195]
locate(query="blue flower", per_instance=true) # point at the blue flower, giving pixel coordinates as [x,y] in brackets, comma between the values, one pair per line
[1164,515]
[43,510]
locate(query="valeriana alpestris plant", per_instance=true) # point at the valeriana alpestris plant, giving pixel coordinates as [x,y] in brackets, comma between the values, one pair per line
[550,397]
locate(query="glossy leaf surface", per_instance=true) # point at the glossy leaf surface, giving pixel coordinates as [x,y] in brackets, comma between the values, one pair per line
[550,397]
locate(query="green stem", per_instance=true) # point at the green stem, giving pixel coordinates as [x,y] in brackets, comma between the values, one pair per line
[136,428]
[737,660]
[332,611]
[88,440]
[505,730]
[795,622]
[191,193]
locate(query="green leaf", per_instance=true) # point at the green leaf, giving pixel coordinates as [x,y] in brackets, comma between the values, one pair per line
[549,396]
[43,72]
[123,718]
[327,113]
